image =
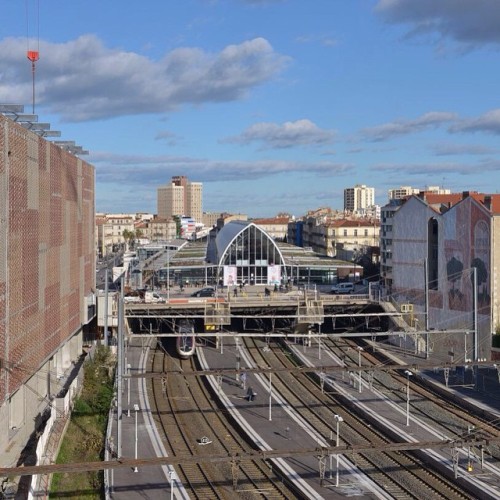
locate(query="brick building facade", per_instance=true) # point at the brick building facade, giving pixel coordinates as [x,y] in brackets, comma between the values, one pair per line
[47,273]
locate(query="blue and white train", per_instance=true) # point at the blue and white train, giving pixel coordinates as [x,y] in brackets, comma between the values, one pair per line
[185,342]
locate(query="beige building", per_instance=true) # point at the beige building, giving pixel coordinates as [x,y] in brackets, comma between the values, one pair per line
[109,232]
[332,236]
[209,219]
[194,200]
[160,229]
[226,218]
[276,227]
[180,197]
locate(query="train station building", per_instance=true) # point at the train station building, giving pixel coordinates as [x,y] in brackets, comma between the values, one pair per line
[241,252]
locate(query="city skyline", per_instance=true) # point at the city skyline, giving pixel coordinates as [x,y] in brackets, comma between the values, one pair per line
[273,105]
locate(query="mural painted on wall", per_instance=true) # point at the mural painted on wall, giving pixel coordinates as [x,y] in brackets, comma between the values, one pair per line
[466,245]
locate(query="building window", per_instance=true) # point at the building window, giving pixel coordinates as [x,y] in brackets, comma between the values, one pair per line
[355,232]
[432,254]
[366,232]
[345,232]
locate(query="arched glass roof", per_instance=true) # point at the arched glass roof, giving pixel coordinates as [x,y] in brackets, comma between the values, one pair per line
[246,253]
[227,234]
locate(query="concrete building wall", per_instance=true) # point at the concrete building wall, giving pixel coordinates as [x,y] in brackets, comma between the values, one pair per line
[194,196]
[359,197]
[170,201]
[495,272]
[462,242]
[47,268]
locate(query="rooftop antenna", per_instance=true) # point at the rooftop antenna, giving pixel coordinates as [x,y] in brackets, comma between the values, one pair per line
[33,55]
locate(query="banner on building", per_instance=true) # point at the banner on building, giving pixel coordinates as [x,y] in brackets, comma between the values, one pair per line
[230,275]
[273,274]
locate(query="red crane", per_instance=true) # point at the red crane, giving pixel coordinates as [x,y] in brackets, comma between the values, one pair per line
[33,12]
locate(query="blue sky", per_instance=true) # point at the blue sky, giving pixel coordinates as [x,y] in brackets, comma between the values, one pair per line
[275,105]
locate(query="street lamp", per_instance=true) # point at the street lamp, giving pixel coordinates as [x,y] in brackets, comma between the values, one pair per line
[128,389]
[171,474]
[136,409]
[359,364]
[339,419]
[465,347]
[408,374]
[168,274]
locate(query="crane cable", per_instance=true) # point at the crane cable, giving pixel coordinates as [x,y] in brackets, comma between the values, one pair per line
[33,55]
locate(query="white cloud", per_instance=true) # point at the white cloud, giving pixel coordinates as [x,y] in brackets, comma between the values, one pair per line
[153,171]
[462,149]
[289,134]
[472,22]
[84,80]
[488,122]
[167,137]
[387,131]
[433,169]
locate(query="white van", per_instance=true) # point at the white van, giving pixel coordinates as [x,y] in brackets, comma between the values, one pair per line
[343,288]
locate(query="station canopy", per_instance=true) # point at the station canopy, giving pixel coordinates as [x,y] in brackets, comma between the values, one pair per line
[242,252]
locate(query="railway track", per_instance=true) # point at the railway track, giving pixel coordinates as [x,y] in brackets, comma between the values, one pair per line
[453,417]
[192,423]
[400,474]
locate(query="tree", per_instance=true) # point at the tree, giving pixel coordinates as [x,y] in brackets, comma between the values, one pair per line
[454,270]
[177,220]
[128,236]
[482,273]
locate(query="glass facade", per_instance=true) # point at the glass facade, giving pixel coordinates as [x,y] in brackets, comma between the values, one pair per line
[251,256]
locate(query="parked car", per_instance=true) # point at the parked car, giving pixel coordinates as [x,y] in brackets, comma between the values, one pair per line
[204,292]
[342,288]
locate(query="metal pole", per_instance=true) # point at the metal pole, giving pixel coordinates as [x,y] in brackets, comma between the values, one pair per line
[168,274]
[120,373]
[270,396]
[238,359]
[136,409]
[359,363]
[426,299]
[106,291]
[476,343]
[465,348]
[128,390]
[339,419]
[408,375]
[475,368]
[171,473]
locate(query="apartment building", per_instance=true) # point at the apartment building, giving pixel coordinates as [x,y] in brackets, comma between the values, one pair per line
[109,232]
[209,219]
[275,227]
[328,234]
[180,197]
[405,191]
[160,229]
[358,198]
[47,277]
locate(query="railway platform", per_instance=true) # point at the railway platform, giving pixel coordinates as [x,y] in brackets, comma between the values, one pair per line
[147,482]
